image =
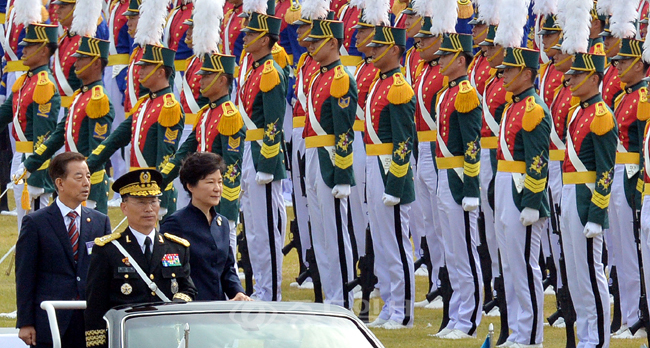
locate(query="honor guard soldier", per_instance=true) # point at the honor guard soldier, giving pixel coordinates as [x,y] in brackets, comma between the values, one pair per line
[191,99]
[134,89]
[521,202]
[458,160]
[598,22]
[588,172]
[478,72]
[428,81]
[174,35]
[641,14]
[549,78]
[261,102]
[413,23]
[138,265]
[231,37]
[88,122]
[389,136]
[329,173]
[33,107]
[349,14]
[625,200]
[288,11]
[611,86]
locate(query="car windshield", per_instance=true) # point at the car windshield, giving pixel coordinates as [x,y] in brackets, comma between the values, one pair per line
[244,330]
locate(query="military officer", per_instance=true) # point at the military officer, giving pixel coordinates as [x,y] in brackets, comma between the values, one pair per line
[521,202]
[88,122]
[458,160]
[153,129]
[625,200]
[261,101]
[33,106]
[126,267]
[389,135]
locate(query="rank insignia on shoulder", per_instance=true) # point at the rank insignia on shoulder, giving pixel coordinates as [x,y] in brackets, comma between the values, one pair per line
[101,241]
[533,116]
[176,239]
[604,120]
[234,143]
[170,136]
[44,109]
[100,131]
[171,260]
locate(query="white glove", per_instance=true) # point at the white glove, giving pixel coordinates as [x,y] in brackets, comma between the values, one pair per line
[470,203]
[263,178]
[341,191]
[529,216]
[34,192]
[390,200]
[592,230]
[19,172]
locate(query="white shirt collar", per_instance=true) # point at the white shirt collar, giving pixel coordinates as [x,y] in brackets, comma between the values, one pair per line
[65,210]
[140,237]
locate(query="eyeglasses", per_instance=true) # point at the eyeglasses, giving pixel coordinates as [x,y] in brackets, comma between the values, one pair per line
[144,204]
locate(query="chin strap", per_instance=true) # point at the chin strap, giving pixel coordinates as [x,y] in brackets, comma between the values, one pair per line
[303,36]
[506,85]
[617,44]
[376,59]
[68,15]
[151,73]
[33,54]
[573,89]
[629,67]
[320,47]
[550,47]
[365,41]
[214,80]
[481,34]
[490,59]
[562,61]
[254,40]
[443,69]
[86,66]
[422,49]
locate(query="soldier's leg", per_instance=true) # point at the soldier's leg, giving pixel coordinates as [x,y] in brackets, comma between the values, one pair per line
[555,191]
[416,224]
[18,189]
[357,199]
[485,177]
[645,243]
[426,183]
[298,178]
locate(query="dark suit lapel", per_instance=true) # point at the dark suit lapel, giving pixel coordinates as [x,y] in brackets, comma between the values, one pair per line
[58,226]
[158,251]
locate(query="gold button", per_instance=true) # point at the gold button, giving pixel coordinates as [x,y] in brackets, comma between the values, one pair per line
[153,293]
[173,275]
[151,276]
[126,276]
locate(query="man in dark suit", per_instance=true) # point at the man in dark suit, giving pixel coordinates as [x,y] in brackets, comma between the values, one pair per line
[211,258]
[53,254]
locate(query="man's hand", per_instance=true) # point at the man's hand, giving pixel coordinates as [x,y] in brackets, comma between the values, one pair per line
[35,192]
[592,230]
[241,297]
[263,178]
[529,216]
[341,191]
[21,173]
[28,335]
[389,200]
[470,203]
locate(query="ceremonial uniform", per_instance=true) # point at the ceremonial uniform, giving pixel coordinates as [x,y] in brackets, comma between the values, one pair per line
[351,18]
[478,73]
[230,33]
[174,38]
[643,114]
[389,134]
[611,87]
[134,90]
[33,107]
[458,160]
[549,80]
[588,172]
[261,102]
[122,271]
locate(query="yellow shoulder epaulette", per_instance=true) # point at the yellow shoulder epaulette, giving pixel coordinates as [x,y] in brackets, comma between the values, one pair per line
[533,116]
[418,70]
[200,114]
[618,100]
[301,61]
[45,88]
[170,113]
[280,55]
[178,240]
[44,14]
[465,9]
[400,92]
[398,7]
[341,83]
[101,241]
[293,14]
[603,121]
[19,83]
[135,107]
[99,105]
[270,77]
[467,99]
[643,110]
[231,120]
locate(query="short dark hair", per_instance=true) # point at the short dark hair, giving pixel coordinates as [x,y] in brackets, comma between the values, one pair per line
[59,165]
[402,49]
[169,71]
[52,46]
[230,79]
[273,39]
[468,58]
[600,76]
[199,165]
[104,63]
[339,43]
[533,75]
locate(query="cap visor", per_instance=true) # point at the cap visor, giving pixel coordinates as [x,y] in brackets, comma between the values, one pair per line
[422,35]
[300,22]
[408,11]
[311,39]
[58,2]
[130,13]
[475,21]
[486,43]
[80,55]
[374,44]
[246,30]
[443,53]
[190,23]
[244,15]
[204,72]
[646,79]
[500,67]
[141,63]
[605,33]
[573,72]
[619,57]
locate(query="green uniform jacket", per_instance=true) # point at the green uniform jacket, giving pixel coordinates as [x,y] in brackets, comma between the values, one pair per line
[40,118]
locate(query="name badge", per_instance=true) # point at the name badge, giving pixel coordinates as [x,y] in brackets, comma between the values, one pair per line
[89,247]
[170,260]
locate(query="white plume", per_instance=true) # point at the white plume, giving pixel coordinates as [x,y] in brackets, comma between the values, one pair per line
[85,16]
[259,6]
[153,14]
[28,11]
[646,51]
[208,15]
[621,23]
[545,7]
[424,8]
[315,9]
[445,17]
[377,12]
[360,4]
[574,17]
[488,11]
[511,27]
[606,7]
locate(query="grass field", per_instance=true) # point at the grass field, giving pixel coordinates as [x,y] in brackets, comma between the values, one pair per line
[427,321]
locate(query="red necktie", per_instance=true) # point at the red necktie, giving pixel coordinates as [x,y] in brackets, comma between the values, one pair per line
[73,233]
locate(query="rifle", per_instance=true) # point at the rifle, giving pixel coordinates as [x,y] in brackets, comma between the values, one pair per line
[312,271]
[244,258]
[615,292]
[366,279]
[445,292]
[499,287]
[425,260]
[643,303]
[486,261]
[295,243]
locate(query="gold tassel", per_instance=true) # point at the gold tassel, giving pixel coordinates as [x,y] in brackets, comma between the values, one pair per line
[45,89]
[231,121]
[465,9]
[170,113]
[533,116]
[200,114]
[398,7]
[25,202]
[467,99]
[135,107]
[280,56]
[44,14]
[341,84]
[400,92]
[99,105]
[643,110]
[604,120]
[19,83]
[270,77]
[418,70]
[301,61]
[293,14]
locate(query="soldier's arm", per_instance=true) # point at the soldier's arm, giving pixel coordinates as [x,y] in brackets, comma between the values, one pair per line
[169,135]
[232,150]
[47,149]
[536,137]
[100,113]
[171,169]
[274,100]
[344,107]
[98,287]
[44,123]
[470,119]
[401,111]
[119,138]
[605,139]
[6,112]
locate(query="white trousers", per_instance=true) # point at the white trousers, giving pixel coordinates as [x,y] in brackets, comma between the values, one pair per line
[645,242]
[416,222]
[426,185]
[555,195]
[331,240]
[266,218]
[623,246]
[485,176]
[392,247]
[460,235]
[522,275]
[586,275]
[43,200]
[300,197]
[357,199]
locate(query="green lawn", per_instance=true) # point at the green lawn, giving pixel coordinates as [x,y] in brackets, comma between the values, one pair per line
[427,321]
